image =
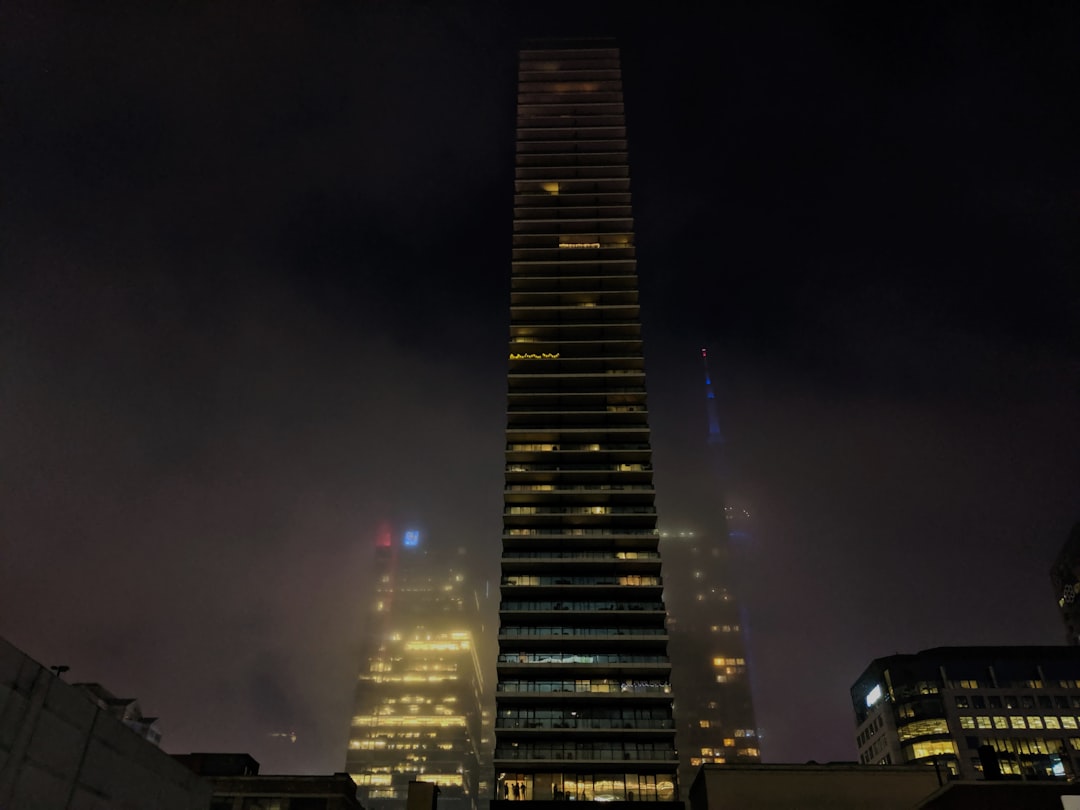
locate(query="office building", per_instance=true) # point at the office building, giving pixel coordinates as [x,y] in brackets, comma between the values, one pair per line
[419,698]
[706,622]
[584,704]
[710,674]
[1065,577]
[973,712]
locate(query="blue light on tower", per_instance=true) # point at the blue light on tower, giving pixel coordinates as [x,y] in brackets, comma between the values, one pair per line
[412,539]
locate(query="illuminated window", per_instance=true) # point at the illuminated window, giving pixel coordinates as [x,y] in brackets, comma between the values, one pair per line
[967,721]
[930,748]
[1034,722]
[1000,722]
[550,188]
[1068,722]
[703,723]
[1017,722]
[983,721]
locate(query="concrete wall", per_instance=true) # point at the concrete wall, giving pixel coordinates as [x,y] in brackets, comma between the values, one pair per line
[811,787]
[60,751]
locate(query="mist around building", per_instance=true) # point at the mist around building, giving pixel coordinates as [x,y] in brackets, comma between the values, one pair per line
[612,662]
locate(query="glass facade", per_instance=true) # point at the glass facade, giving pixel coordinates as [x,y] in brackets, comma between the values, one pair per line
[979,712]
[418,710]
[584,705]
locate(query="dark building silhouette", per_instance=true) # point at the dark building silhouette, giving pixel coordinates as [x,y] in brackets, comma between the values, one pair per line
[238,785]
[584,705]
[973,712]
[1065,576]
[66,747]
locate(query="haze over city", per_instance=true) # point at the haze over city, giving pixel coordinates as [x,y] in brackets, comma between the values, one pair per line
[255,297]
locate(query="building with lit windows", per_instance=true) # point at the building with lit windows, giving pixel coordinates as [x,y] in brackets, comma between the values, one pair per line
[584,704]
[714,709]
[977,712]
[418,710]
[1065,576]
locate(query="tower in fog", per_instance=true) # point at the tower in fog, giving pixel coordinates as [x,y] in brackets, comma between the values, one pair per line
[706,622]
[584,705]
[419,697]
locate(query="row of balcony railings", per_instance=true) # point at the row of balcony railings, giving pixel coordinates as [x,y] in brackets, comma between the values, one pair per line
[535,196]
[577,186]
[590,131]
[629,580]
[588,724]
[580,510]
[580,658]
[547,166]
[569,70]
[592,447]
[527,101]
[582,410]
[518,605]
[591,226]
[589,326]
[584,751]
[578,311]
[611,532]
[556,145]
[606,556]
[587,632]
[529,468]
[604,686]
[561,488]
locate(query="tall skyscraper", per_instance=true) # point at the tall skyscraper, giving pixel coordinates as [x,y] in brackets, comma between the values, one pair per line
[715,709]
[419,699]
[584,705]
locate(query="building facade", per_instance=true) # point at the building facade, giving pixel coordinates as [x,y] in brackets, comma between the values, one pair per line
[710,672]
[975,712]
[61,747]
[1065,577]
[419,700]
[584,704]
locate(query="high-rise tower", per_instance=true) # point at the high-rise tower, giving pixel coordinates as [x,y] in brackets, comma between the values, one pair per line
[418,711]
[706,623]
[584,707]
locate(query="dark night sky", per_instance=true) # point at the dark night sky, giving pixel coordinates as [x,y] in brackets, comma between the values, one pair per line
[254,267]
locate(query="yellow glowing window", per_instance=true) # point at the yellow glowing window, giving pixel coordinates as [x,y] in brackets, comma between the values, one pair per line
[967,721]
[1000,722]
[1034,722]
[550,188]
[729,742]
[1068,722]
[933,748]
[703,723]
[1017,722]
[983,722]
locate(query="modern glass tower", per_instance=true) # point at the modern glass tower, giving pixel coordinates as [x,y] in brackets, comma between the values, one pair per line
[418,710]
[584,705]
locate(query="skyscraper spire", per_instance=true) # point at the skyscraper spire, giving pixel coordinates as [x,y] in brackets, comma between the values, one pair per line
[714,437]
